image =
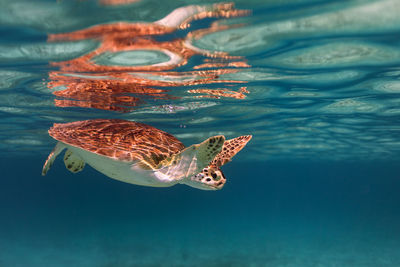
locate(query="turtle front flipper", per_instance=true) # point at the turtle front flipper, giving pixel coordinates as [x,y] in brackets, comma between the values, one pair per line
[207,150]
[73,162]
[52,156]
[230,149]
[191,160]
[211,177]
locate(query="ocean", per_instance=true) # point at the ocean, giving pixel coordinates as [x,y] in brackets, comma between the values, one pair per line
[315,82]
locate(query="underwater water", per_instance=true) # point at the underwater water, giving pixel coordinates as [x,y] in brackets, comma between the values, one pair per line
[315,82]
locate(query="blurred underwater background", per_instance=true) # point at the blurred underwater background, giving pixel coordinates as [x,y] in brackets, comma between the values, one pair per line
[316,82]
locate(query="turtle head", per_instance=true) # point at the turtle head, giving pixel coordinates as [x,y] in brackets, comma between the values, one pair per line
[208,179]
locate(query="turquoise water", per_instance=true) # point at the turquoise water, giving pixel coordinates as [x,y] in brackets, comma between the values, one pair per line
[315,82]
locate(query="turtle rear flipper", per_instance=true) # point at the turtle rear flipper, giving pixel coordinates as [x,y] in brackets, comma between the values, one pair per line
[52,156]
[73,162]
[191,160]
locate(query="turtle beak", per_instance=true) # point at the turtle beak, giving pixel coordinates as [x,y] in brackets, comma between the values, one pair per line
[212,179]
[208,179]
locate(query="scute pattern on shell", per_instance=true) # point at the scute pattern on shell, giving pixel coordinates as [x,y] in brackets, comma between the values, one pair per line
[118,139]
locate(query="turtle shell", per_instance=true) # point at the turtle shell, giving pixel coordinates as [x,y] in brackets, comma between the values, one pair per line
[118,139]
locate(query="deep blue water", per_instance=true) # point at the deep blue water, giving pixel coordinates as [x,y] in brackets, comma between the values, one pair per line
[272,214]
[317,84]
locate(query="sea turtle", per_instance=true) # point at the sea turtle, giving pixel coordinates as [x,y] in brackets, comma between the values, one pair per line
[140,154]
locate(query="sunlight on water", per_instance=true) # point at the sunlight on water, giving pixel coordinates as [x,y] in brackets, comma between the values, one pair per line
[211,68]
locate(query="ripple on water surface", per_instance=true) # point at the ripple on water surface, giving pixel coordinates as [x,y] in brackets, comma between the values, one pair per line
[44,51]
[357,17]
[316,79]
[10,79]
[338,54]
[132,58]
